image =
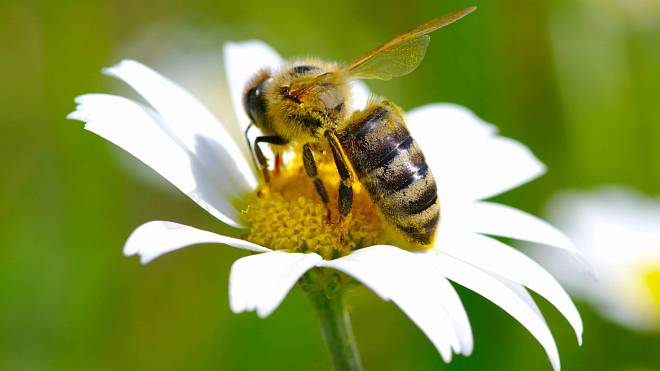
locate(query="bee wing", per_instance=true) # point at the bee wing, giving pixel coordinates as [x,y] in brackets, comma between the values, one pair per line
[403,53]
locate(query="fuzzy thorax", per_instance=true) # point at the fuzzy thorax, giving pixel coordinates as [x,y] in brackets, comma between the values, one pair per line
[304,98]
[287,214]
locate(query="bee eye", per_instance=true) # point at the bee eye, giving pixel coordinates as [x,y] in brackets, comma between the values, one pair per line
[254,102]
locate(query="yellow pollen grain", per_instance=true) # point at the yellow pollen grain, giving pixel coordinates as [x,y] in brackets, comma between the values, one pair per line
[288,214]
[652,283]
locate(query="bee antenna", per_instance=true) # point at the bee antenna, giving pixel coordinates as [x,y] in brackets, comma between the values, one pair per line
[247,139]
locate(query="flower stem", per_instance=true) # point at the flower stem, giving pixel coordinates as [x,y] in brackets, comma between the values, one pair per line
[337,330]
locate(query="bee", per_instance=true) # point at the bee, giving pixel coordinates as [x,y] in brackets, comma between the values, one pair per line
[304,105]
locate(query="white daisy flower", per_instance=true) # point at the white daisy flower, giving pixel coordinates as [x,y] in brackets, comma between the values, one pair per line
[285,226]
[618,232]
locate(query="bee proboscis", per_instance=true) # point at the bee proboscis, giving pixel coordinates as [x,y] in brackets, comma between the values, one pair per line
[304,105]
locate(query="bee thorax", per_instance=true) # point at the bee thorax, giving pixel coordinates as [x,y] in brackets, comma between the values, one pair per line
[332,99]
[305,98]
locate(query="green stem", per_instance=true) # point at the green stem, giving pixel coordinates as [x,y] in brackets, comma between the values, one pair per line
[337,331]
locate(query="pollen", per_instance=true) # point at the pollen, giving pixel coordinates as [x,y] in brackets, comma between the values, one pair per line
[652,283]
[288,214]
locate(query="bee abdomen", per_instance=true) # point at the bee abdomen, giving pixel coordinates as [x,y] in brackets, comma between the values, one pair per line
[392,168]
[405,191]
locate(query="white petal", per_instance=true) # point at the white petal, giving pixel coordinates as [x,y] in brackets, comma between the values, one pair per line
[513,300]
[260,282]
[139,131]
[501,220]
[153,239]
[604,219]
[468,159]
[495,257]
[617,231]
[445,116]
[360,96]
[417,288]
[242,61]
[456,312]
[191,125]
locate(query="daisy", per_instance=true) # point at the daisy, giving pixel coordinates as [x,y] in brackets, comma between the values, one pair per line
[284,225]
[617,231]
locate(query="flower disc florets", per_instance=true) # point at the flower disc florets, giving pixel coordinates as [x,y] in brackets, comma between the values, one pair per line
[288,214]
[652,283]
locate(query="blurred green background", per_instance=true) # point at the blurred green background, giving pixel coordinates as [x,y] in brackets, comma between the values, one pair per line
[576,80]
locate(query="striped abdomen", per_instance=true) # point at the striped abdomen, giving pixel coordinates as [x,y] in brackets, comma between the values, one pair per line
[391,166]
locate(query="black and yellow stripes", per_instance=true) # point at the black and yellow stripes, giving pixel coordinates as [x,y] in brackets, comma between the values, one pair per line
[391,166]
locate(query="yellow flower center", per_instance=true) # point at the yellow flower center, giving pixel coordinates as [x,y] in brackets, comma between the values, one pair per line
[652,283]
[288,214]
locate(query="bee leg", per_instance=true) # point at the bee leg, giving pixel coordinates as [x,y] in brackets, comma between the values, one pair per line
[346,180]
[261,159]
[263,163]
[310,169]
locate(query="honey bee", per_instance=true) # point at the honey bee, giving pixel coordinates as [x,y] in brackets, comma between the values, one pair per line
[304,105]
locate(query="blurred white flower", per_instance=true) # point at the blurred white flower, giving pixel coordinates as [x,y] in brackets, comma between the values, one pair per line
[618,232]
[182,141]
